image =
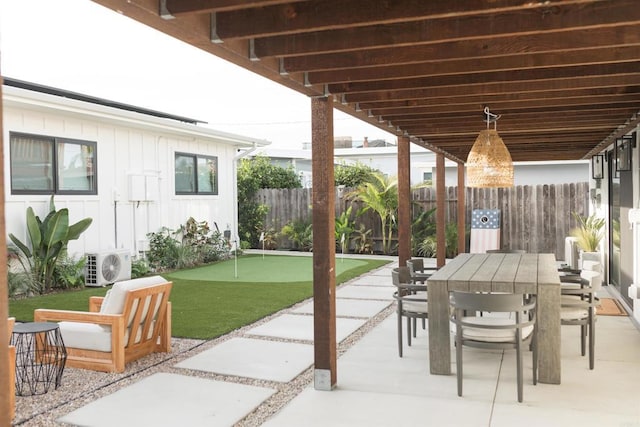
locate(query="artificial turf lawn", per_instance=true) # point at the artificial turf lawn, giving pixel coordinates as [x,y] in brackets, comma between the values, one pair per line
[209,307]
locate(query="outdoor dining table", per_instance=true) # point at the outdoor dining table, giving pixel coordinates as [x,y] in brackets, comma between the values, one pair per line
[513,273]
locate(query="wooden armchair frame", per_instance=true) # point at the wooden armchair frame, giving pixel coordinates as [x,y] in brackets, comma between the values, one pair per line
[153,334]
[12,371]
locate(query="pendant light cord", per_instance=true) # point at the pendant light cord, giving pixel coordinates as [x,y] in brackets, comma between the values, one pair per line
[491,118]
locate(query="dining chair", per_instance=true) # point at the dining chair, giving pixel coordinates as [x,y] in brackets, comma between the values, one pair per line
[578,307]
[411,303]
[417,270]
[512,325]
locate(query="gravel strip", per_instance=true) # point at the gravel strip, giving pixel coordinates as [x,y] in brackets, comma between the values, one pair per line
[81,387]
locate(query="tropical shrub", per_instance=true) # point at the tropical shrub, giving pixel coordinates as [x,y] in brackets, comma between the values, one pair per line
[362,240]
[269,239]
[48,240]
[194,243]
[344,226]
[139,268]
[300,233]
[69,273]
[589,232]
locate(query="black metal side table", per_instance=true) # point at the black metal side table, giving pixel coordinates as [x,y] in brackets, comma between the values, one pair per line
[40,357]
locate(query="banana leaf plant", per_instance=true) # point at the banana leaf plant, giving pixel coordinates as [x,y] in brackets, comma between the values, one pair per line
[48,241]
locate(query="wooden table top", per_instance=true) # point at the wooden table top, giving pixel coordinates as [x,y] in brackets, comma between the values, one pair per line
[516,273]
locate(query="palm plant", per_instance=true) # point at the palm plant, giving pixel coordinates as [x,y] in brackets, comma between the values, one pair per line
[589,232]
[381,196]
[300,233]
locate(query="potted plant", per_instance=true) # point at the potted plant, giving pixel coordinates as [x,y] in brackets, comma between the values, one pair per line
[589,233]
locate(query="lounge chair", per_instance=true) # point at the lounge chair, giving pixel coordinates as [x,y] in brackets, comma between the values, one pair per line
[131,321]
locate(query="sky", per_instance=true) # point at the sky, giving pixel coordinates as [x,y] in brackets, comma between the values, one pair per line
[83,47]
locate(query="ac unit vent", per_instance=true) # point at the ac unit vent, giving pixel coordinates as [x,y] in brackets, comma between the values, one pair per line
[107,267]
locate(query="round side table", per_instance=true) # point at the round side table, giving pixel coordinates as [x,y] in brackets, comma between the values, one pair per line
[40,357]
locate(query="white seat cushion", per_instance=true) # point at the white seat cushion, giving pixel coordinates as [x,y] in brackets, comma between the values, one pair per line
[88,336]
[492,335]
[415,303]
[573,313]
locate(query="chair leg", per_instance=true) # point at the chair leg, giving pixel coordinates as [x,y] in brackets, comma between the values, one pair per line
[519,369]
[592,340]
[459,361]
[583,339]
[399,333]
[534,351]
[408,331]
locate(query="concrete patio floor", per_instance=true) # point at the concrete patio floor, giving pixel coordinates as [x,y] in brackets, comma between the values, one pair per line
[376,387]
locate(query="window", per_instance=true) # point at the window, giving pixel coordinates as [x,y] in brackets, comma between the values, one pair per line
[196,174]
[48,165]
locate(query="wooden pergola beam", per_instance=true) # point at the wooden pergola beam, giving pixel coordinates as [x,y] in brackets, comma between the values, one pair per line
[440,214]
[5,385]
[324,244]
[565,17]
[404,200]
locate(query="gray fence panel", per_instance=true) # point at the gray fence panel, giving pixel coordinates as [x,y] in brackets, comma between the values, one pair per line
[534,218]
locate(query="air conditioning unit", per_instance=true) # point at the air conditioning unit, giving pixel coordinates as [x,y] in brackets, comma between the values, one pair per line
[104,268]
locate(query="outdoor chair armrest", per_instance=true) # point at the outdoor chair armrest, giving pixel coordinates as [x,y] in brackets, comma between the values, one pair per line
[47,315]
[95,303]
[411,288]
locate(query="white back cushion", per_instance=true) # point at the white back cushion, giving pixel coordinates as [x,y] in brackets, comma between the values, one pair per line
[114,301]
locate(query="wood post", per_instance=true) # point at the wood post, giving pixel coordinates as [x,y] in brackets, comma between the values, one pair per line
[404,200]
[324,244]
[462,237]
[5,389]
[440,217]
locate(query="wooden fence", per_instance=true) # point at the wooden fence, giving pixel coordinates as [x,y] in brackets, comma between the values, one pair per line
[534,218]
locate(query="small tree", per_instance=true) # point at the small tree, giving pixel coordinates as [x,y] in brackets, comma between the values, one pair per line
[353,175]
[254,174]
[380,196]
[48,241]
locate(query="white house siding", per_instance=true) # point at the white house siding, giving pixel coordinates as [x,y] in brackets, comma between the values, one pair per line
[127,144]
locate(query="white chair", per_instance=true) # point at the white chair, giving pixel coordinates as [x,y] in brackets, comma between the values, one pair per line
[511,325]
[411,303]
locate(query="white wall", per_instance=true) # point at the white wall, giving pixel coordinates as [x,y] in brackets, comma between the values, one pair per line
[124,148]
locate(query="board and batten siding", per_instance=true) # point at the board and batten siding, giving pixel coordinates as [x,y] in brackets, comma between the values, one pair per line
[123,149]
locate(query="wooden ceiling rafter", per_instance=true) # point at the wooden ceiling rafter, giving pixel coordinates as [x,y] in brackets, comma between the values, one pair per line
[427,69]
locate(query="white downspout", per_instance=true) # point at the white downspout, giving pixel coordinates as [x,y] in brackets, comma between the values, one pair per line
[236,158]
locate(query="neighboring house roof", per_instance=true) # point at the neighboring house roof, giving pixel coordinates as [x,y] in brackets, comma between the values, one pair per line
[16,92]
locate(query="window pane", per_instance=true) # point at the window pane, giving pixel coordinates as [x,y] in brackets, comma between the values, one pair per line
[31,163]
[185,174]
[76,170]
[208,175]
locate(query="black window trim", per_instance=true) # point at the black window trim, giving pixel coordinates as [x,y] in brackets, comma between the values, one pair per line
[54,141]
[195,157]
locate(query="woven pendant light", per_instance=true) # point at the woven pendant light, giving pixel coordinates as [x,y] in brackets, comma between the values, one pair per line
[489,162]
